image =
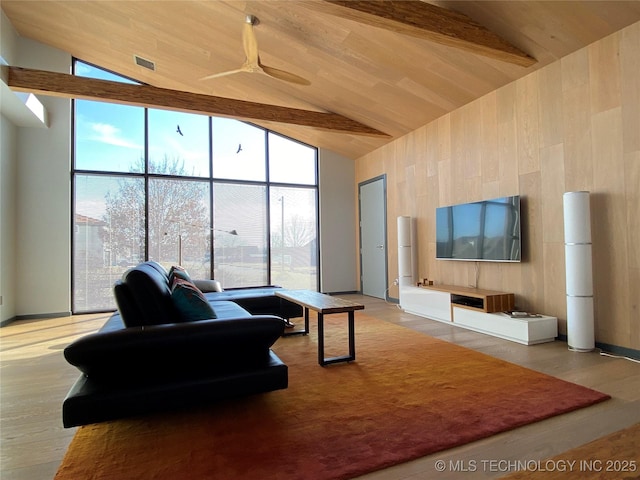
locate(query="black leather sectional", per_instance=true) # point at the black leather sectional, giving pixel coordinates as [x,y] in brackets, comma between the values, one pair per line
[147,359]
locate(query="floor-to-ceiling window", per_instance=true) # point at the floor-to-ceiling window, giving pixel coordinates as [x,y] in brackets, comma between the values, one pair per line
[225,199]
[292,201]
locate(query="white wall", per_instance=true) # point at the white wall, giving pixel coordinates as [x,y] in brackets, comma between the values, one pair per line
[8,179]
[43,272]
[8,163]
[338,255]
[8,39]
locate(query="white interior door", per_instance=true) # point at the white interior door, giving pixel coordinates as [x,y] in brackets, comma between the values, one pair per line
[373,235]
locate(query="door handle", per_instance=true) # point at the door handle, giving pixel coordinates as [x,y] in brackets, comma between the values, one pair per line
[380,247]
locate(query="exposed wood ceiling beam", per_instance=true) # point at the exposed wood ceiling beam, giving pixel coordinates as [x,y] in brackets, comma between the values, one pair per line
[71,86]
[426,21]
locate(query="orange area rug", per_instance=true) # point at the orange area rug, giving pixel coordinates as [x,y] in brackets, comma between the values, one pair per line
[406,395]
[613,457]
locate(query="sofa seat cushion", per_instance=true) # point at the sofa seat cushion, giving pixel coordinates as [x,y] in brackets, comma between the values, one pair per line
[234,294]
[222,309]
[225,309]
[114,323]
[258,301]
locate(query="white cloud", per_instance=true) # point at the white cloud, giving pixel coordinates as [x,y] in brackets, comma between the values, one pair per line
[107,133]
[189,155]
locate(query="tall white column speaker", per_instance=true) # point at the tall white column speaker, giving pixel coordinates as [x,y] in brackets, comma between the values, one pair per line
[577,250]
[405,251]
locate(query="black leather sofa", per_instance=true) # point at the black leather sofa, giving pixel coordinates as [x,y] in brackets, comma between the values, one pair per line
[147,358]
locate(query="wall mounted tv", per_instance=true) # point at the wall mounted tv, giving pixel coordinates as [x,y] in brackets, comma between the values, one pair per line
[480,231]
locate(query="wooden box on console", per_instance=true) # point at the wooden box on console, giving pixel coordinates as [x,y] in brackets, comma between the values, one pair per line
[476,299]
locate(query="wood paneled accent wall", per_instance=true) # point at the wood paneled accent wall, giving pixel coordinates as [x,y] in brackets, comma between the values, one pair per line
[573,125]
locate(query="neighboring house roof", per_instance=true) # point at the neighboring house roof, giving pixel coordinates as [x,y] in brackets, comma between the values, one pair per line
[89,221]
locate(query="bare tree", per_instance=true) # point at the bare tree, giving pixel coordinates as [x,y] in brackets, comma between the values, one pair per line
[298,232]
[178,223]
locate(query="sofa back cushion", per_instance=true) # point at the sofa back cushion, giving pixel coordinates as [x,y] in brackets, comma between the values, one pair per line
[144,296]
[127,306]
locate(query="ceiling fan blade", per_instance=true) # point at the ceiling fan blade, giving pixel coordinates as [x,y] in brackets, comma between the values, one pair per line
[224,74]
[282,75]
[249,40]
[252,63]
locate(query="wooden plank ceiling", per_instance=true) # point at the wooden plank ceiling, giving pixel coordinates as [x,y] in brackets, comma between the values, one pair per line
[389,66]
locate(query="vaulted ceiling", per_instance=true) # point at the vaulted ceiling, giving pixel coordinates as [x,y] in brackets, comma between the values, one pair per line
[392,66]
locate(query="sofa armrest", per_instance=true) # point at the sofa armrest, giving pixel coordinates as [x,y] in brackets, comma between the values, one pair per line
[208,285]
[158,351]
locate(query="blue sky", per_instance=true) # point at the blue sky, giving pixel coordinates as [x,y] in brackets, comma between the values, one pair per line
[111,137]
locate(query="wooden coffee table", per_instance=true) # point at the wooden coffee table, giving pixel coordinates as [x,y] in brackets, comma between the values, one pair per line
[324,305]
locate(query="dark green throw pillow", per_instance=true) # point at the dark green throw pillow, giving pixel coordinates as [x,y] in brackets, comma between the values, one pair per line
[190,302]
[178,272]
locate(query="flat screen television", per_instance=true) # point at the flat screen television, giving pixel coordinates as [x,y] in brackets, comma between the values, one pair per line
[480,231]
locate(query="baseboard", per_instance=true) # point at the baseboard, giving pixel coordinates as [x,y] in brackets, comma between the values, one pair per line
[358,292]
[4,323]
[619,351]
[612,349]
[39,316]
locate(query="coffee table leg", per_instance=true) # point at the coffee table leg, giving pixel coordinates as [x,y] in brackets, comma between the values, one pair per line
[321,360]
[306,326]
[352,336]
[352,342]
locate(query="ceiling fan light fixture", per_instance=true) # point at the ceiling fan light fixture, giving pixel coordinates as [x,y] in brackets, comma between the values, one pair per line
[143,62]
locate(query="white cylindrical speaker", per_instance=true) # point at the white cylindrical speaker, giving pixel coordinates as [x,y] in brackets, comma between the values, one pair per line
[578,261]
[405,263]
[577,218]
[580,331]
[579,271]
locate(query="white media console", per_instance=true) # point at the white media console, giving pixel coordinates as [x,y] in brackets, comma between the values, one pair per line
[478,310]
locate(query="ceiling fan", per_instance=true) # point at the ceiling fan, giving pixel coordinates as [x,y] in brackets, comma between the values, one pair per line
[252,64]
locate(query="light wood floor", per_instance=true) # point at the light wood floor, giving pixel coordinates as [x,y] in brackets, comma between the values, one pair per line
[35,378]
